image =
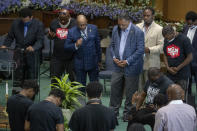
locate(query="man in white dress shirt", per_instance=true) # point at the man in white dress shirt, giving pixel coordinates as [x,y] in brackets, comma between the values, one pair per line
[176,116]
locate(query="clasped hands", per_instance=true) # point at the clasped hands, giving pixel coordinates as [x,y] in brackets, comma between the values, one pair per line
[120,63]
[173,70]
[79,42]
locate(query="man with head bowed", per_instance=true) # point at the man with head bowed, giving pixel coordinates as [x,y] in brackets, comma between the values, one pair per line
[127,49]
[176,116]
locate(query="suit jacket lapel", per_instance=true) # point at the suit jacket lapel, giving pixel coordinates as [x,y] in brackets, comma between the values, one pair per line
[195,38]
[186,31]
[129,38]
[118,35]
[21,29]
[89,30]
[150,31]
[78,33]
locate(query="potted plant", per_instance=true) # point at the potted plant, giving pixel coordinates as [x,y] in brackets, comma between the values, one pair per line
[70,103]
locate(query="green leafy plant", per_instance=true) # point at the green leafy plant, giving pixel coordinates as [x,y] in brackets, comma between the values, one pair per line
[71,91]
[71,102]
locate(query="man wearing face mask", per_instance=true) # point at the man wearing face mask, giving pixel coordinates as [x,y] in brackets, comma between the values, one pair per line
[177,56]
[84,41]
[46,115]
[28,34]
[191,32]
[61,60]
[153,43]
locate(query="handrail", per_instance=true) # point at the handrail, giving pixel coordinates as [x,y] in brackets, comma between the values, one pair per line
[7,18]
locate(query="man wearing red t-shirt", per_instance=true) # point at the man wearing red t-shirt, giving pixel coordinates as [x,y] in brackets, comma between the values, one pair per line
[177,56]
[61,60]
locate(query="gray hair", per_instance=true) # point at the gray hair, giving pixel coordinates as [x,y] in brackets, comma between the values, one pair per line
[124,16]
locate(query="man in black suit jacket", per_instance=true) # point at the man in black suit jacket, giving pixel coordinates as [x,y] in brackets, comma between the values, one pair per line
[28,34]
[191,32]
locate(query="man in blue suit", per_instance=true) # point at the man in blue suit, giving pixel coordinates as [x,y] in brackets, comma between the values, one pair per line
[84,41]
[127,48]
[191,32]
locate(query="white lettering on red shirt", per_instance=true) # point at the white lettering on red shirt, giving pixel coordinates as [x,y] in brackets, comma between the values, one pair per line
[62,33]
[173,51]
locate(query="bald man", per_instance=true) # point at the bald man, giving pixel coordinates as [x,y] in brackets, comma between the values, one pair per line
[61,60]
[176,116]
[84,41]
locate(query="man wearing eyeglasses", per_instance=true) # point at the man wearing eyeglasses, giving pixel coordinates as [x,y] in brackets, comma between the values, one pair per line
[84,41]
[61,60]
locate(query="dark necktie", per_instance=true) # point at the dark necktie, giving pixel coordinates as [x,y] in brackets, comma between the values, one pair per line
[84,35]
[25,31]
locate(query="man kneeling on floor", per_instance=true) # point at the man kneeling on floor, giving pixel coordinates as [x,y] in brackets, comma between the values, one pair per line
[157,83]
[94,116]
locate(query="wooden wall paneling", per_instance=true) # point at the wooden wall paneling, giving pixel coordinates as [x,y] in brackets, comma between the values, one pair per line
[159,5]
[37,14]
[176,9]
[102,22]
[5,24]
[48,16]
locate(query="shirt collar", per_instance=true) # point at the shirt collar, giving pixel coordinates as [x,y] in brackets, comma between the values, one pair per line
[149,25]
[193,27]
[85,30]
[129,27]
[176,102]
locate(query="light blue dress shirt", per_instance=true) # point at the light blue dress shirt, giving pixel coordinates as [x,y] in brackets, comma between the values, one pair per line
[124,34]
